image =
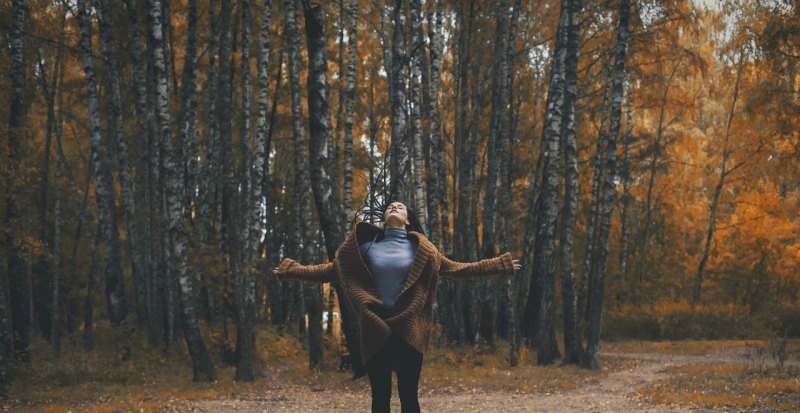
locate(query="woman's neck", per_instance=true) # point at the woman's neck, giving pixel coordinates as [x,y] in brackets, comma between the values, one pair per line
[395,232]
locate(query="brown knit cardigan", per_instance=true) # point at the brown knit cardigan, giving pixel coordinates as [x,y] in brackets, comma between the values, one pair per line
[411,317]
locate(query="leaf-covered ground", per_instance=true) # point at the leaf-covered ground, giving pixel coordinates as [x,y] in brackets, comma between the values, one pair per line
[635,376]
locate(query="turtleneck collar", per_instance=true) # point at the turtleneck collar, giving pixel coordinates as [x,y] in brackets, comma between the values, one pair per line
[389,232]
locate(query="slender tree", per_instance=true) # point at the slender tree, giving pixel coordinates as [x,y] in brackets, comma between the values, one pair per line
[572,341]
[300,232]
[19,289]
[208,200]
[544,250]
[202,367]
[245,282]
[104,190]
[724,171]
[507,173]
[349,104]
[400,168]
[228,236]
[143,184]
[656,151]
[436,176]
[326,197]
[416,102]
[114,112]
[625,175]
[42,297]
[609,185]
[87,337]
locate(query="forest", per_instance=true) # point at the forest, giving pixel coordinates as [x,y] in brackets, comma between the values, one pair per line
[160,157]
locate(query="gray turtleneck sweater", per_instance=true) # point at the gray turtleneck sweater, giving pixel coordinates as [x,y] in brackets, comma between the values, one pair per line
[389,260]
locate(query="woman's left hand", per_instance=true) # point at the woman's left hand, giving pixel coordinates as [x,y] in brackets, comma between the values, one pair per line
[516,264]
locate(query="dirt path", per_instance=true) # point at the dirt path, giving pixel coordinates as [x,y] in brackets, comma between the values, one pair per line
[615,392]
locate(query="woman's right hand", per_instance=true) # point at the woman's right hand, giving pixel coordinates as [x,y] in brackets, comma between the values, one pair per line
[283,267]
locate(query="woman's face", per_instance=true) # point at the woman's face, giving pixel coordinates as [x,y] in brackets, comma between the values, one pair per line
[396,215]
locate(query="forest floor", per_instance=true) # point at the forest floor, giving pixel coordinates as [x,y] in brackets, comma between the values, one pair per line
[635,382]
[636,376]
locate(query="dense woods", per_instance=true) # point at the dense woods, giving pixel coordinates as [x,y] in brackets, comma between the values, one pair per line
[160,156]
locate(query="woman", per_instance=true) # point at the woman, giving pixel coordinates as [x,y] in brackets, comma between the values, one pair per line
[390,275]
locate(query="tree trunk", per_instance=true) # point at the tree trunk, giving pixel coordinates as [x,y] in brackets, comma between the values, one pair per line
[349,103]
[462,156]
[572,348]
[142,178]
[337,136]
[104,185]
[325,196]
[87,338]
[116,128]
[499,97]
[609,186]
[416,101]
[436,174]
[259,166]
[496,125]
[19,285]
[656,151]
[276,300]
[507,174]
[590,258]
[202,367]
[300,232]
[228,237]
[625,174]
[252,167]
[400,168]
[208,200]
[544,250]
[163,281]
[43,295]
[723,173]
[55,315]
[84,219]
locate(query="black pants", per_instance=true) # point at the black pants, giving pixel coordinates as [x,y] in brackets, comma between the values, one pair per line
[408,361]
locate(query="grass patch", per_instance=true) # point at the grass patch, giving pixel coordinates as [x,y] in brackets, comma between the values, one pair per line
[687,347]
[154,380]
[732,386]
[696,347]
[151,380]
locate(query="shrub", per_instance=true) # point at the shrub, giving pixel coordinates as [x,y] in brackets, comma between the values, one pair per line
[679,321]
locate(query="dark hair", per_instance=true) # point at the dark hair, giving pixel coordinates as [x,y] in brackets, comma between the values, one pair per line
[377,214]
[413,221]
[372,210]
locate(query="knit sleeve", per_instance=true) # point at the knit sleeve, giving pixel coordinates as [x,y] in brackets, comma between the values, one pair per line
[320,273]
[501,265]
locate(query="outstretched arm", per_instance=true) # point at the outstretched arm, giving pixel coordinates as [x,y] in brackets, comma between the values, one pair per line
[501,265]
[321,273]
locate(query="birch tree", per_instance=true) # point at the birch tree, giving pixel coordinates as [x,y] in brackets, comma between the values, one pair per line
[572,350]
[416,102]
[609,186]
[245,277]
[544,250]
[349,103]
[400,168]
[19,289]
[144,123]
[326,197]
[104,189]
[115,123]
[202,367]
